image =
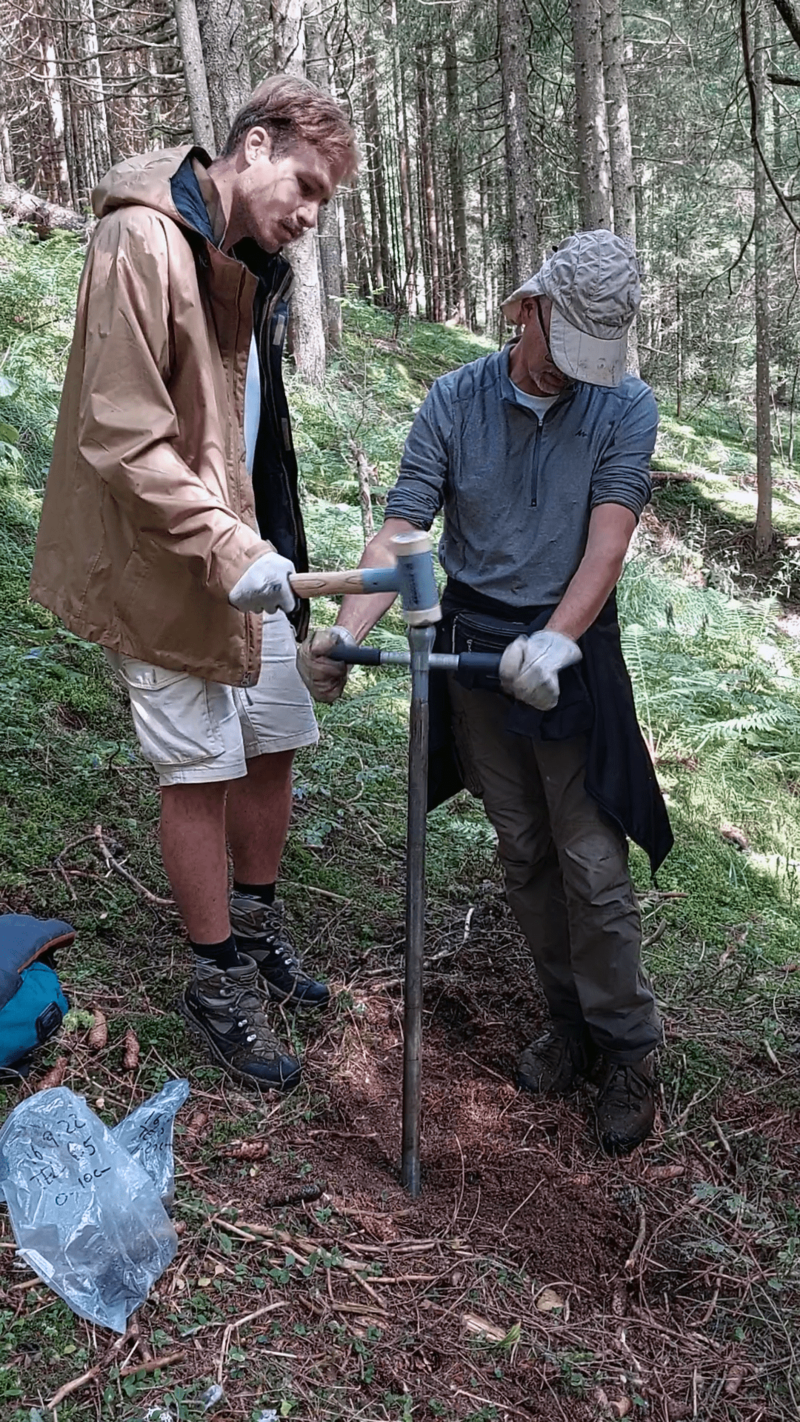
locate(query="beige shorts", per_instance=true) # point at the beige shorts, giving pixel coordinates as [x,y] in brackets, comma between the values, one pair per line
[193,730]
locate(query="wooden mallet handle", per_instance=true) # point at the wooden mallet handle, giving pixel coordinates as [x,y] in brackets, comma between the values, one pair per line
[353,580]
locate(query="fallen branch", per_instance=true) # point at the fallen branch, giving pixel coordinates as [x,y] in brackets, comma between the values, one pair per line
[77,1383]
[73,1386]
[153,1364]
[126,874]
[47,217]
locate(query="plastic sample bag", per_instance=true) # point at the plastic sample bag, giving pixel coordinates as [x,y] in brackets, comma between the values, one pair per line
[86,1216]
[147,1135]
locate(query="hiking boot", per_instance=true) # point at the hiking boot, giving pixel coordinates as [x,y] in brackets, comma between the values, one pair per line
[555,1064]
[625,1109]
[259,932]
[225,1009]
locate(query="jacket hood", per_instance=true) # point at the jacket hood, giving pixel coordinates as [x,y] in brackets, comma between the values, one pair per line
[144,180]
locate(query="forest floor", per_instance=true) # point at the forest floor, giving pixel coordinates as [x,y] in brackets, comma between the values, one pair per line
[534,1278]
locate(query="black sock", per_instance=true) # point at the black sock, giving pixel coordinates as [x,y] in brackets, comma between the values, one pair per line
[265,893]
[224,955]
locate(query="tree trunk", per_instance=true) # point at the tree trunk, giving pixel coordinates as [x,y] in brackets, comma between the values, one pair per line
[519,155]
[55,106]
[377,278]
[409,294]
[330,255]
[758,96]
[306,331]
[194,69]
[377,171]
[619,138]
[97,119]
[358,227]
[5,149]
[434,303]
[594,166]
[461,273]
[619,123]
[223,33]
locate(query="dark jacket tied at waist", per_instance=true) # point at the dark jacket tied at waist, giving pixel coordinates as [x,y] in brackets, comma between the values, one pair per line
[596,700]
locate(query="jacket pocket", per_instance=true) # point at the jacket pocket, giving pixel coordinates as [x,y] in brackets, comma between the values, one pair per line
[177,718]
[480,632]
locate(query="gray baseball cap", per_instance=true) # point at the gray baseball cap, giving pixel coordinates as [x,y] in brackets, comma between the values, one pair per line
[593,281]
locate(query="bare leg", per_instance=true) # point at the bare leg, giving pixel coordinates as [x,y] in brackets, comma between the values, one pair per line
[195,856]
[258,812]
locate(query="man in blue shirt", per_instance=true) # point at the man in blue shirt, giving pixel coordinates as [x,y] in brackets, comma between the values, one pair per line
[538,455]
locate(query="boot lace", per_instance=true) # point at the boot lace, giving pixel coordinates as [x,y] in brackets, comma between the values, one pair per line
[624,1085]
[245,1008]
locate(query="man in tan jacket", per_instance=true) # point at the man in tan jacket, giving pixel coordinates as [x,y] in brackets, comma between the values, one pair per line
[171,524]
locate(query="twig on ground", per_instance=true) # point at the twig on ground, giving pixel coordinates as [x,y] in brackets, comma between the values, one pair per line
[152,1364]
[639,1240]
[126,874]
[708,1312]
[74,1385]
[772,1056]
[721,1136]
[239,1323]
[315,889]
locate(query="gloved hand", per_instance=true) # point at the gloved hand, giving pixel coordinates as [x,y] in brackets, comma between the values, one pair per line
[324,678]
[529,667]
[265,586]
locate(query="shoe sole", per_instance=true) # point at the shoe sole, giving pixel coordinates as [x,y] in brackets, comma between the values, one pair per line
[623,1145]
[198,1031]
[552,1092]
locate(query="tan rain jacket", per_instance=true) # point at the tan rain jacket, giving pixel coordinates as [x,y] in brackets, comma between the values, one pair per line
[148,519]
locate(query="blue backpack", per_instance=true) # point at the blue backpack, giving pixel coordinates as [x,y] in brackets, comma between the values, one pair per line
[32,1003]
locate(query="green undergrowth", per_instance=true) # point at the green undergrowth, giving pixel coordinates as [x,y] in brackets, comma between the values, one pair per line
[717,685]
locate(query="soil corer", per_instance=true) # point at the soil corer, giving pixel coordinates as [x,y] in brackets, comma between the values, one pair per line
[413,577]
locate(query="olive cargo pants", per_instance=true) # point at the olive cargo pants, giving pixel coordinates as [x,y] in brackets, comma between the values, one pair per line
[566,875]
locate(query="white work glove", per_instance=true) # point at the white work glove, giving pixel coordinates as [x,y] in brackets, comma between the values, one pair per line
[529,667]
[265,586]
[324,678]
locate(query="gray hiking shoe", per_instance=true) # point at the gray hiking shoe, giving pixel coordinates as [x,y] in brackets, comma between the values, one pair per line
[625,1109]
[226,1010]
[259,932]
[555,1064]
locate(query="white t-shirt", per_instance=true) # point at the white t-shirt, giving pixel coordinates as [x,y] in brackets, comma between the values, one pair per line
[539,403]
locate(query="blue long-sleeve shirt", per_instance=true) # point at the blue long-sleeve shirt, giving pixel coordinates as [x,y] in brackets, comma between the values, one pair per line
[517,493]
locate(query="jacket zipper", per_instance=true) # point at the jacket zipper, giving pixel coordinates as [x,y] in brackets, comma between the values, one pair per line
[535,462]
[250,677]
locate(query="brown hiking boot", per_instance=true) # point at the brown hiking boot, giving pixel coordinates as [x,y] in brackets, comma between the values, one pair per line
[555,1064]
[226,1010]
[260,932]
[625,1109]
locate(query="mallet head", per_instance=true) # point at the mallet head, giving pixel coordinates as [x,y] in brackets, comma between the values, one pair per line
[417,584]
